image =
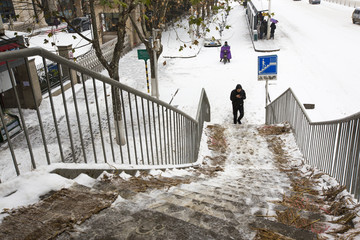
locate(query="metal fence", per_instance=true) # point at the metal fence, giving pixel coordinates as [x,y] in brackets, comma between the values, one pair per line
[88,60]
[331,146]
[77,125]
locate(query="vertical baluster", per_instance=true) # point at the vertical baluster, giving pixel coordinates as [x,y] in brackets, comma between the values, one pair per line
[53,109]
[77,114]
[99,120]
[150,136]
[164,131]
[66,113]
[145,133]
[139,129]
[171,130]
[117,129]
[178,140]
[125,125]
[160,142]
[108,122]
[154,124]
[89,118]
[132,128]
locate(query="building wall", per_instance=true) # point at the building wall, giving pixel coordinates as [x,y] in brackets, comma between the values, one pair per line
[25,10]
[106,35]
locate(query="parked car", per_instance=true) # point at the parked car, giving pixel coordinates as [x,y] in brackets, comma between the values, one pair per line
[211,42]
[356,15]
[80,23]
[314,1]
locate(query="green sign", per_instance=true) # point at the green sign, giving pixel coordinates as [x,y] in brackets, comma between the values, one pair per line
[143,54]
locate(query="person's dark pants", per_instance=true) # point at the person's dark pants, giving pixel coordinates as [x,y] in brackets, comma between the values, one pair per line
[236,109]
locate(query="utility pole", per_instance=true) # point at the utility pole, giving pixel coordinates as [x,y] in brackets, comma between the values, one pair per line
[269,22]
[156,47]
[191,27]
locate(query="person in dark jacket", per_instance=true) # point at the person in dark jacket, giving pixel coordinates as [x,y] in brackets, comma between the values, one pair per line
[237,97]
[263,29]
[272,30]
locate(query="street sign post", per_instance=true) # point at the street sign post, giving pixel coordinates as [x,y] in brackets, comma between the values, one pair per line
[144,55]
[267,70]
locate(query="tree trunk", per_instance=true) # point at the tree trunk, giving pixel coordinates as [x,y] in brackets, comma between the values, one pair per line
[116,104]
[198,10]
[118,120]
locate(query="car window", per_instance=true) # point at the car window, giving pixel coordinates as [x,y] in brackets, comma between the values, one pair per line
[357,11]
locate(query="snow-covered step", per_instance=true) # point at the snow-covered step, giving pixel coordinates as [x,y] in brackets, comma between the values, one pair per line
[119,223]
[234,206]
[203,207]
[200,219]
[228,194]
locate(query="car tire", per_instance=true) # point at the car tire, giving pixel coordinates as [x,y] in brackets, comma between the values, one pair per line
[353,21]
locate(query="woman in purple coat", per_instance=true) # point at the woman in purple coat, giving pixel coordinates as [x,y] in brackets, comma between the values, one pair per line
[225,49]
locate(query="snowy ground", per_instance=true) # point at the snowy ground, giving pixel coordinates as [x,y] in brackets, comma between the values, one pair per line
[318,60]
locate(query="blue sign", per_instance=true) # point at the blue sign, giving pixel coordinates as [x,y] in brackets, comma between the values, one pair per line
[267,67]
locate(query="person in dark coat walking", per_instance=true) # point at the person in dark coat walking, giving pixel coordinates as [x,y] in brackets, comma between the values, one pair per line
[237,98]
[272,30]
[263,29]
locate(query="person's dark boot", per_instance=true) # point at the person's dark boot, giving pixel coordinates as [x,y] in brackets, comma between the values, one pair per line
[239,122]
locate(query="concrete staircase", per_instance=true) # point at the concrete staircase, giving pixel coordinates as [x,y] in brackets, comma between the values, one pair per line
[229,205]
[200,210]
[235,194]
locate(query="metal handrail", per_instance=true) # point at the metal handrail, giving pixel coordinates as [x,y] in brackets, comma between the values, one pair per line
[80,127]
[29,52]
[331,146]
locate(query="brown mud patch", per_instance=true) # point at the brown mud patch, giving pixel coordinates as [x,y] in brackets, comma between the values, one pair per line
[305,197]
[54,214]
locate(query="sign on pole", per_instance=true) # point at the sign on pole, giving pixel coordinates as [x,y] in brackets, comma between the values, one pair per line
[143,54]
[267,67]
[267,70]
